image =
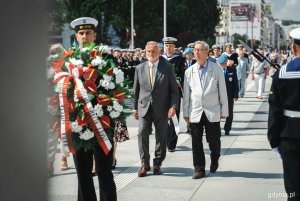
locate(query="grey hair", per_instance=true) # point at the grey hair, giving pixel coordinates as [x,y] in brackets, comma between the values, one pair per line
[152,43]
[206,46]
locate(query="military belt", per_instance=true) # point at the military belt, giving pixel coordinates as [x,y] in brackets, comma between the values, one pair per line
[290,113]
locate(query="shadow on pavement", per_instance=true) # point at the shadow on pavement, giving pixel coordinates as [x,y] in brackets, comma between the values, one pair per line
[233,151]
[252,175]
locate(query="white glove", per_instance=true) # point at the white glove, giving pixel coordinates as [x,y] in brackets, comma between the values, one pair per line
[277,152]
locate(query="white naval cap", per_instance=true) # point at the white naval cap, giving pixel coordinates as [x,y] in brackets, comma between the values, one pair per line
[169,40]
[228,44]
[191,45]
[216,46]
[295,35]
[84,23]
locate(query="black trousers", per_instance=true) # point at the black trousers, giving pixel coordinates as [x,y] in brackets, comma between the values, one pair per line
[172,136]
[84,164]
[228,122]
[213,134]
[290,153]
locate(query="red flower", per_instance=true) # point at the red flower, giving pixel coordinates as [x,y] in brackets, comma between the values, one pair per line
[90,74]
[104,99]
[105,121]
[54,101]
[109,72]
[119,95]
[82,120]
[67,53]
[90,87]
[57,63]
[94,53]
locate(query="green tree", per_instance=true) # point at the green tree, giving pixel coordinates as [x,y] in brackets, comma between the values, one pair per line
[186,19]
[197,18]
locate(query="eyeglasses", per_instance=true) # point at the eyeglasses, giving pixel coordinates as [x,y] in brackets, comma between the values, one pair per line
[199,50]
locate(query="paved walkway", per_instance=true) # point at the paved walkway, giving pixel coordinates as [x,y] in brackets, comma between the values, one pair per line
[248,169]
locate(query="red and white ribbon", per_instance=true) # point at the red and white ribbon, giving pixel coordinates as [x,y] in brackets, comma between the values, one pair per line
[63,79]
[93,118]
[65,127]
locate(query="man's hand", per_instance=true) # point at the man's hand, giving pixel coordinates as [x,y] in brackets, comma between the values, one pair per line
[187,119]
[223,117]
[230,63]
[172,112]
[247,73]
[252,76]
[135,114]
[277,152]
[235,99]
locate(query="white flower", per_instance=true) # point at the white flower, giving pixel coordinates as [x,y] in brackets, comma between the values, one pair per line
[86,135]
[119,75]
[98,110]
[105,49]
[114,114]
[115,70]
[109,108]
[119,79]
[111,85]
[85,49]
[117,106]
[76,62]
[107,77]
[104,84]
[97,62]
[75,127]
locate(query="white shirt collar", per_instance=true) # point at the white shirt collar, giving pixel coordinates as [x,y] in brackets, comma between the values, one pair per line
[155,63]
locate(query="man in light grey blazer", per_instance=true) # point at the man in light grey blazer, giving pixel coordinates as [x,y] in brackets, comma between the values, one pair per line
[204,104]
[242,71]
[156,97]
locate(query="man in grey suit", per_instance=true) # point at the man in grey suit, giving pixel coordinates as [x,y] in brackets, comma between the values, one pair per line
[204,104]
[156,97]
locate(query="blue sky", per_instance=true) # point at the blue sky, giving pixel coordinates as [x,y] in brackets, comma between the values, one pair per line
[286,9]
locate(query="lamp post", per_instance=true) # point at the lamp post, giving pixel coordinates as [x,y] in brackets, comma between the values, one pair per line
[132,36]
[165,18]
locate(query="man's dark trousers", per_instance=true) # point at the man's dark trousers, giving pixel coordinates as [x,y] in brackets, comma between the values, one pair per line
[213,134]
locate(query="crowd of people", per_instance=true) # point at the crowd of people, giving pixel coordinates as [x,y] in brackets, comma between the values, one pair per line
[208,81]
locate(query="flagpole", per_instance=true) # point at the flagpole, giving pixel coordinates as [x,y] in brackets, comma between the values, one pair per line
[165,18]
[132,29]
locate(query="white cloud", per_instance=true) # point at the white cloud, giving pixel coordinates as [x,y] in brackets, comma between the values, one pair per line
[286,9]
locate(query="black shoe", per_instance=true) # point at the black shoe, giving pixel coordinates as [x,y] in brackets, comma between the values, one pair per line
[157,170]
[171,150]
[227,133]
[214,166]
